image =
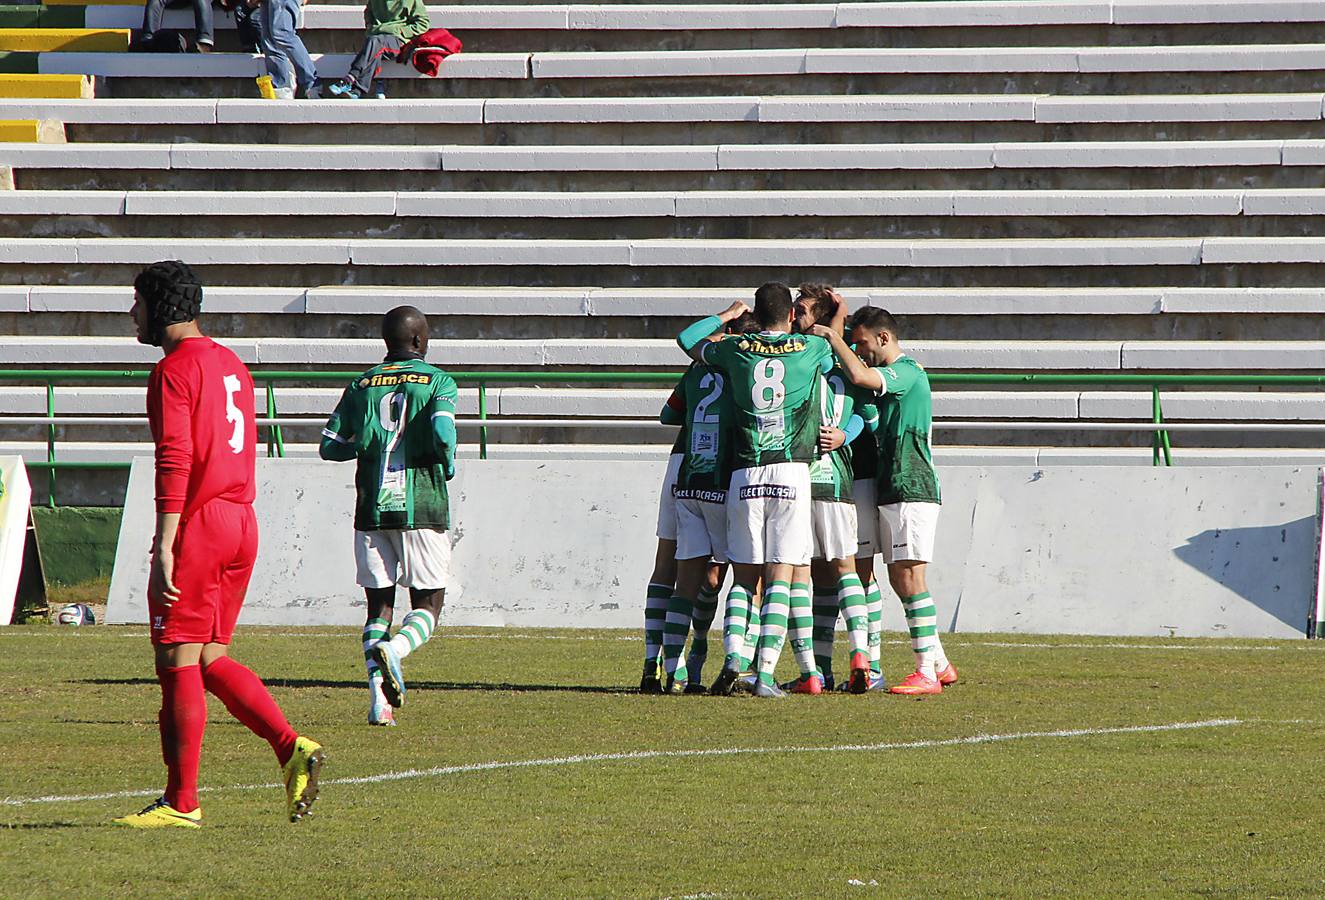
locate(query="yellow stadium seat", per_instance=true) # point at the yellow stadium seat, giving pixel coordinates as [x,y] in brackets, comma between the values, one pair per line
[44,40]
[32,131]
[46,87]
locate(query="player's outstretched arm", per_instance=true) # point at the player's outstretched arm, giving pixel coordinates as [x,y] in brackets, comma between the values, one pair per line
[692,339]
[856,371]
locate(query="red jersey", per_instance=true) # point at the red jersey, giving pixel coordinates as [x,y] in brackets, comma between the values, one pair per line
[201,407]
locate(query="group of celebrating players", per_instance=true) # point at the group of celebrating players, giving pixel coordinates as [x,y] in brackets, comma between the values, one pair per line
[800,458]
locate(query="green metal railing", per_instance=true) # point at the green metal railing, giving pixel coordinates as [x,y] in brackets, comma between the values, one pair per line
[1162,450]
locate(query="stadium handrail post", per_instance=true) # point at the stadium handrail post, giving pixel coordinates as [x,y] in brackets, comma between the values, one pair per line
[50,445]
[1162,436]
[483,416]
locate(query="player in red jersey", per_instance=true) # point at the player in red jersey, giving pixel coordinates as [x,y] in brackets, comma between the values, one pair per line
[201,407]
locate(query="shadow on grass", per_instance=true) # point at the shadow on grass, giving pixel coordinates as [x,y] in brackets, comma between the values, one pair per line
[41,826]
[412,685]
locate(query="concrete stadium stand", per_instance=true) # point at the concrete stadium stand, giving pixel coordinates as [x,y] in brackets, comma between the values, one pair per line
[609,353]
[598,110]
[667,204]
[726,157]
[675,302]
[786,16]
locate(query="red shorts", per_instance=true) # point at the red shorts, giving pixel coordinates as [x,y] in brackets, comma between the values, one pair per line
[215,549]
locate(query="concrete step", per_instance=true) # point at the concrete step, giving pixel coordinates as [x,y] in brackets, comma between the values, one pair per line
[725,63]
[1294,107]
[665,204]
[595,302]
[730,157]
[1048,356]
[647,253]
[784,16]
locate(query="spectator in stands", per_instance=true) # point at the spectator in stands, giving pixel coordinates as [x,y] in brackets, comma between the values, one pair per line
[283,48]
[390,24]
[153,39]
[248,23]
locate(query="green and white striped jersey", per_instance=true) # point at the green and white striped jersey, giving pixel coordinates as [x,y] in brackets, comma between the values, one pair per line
[775,389]
[386,414]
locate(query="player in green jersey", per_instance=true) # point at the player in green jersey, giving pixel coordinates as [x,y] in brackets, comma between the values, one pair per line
[837,585]
[865,493]
[775,380]
[700,403]
[908,487]
[662,580]
[398,420]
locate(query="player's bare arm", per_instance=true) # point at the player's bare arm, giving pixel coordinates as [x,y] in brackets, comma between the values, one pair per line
[856,371]
[696,335]
[162,576]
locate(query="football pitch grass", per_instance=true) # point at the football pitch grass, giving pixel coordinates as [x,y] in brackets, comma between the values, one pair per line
[524,765]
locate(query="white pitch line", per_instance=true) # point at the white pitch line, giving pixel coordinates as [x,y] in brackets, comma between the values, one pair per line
[635,755]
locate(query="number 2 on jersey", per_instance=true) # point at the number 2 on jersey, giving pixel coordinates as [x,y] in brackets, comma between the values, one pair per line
[702,414]
[769,389]
[232,413]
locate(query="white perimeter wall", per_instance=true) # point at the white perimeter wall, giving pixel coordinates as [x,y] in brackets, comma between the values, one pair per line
[1079,550]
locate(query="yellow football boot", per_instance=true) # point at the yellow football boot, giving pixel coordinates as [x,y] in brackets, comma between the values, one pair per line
[161,814]
[301,772]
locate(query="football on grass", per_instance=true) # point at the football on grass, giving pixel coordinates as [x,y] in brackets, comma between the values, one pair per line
[76,614]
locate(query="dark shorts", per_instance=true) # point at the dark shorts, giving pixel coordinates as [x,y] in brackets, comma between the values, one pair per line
[215,550]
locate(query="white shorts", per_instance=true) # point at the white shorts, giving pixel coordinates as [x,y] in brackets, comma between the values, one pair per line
[768,515]
[418,558]
[834,528]
[666,503]
[701,530]
[908,531]
[866,493]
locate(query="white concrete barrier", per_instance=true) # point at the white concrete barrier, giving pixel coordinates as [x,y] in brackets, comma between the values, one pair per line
[1020,549]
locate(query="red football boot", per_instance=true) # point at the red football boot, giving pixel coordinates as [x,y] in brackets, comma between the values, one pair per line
[915,683]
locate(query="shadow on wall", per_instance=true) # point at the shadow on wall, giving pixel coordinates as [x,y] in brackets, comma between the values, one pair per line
[1269,566]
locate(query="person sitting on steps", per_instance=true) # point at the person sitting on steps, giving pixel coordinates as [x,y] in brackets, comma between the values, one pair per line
[390,25]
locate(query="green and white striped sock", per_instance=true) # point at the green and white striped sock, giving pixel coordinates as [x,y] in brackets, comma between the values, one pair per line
[751,644]
[825,624]
[655,615]
[874,597]
[800,628]
[706,607]
[375,631]
[855,610]
[922,620]
[735,623]
[773,630]
[675,629]
[414,632]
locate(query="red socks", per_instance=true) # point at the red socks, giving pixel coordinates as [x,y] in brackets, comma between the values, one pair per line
[182,719]
[244,694]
